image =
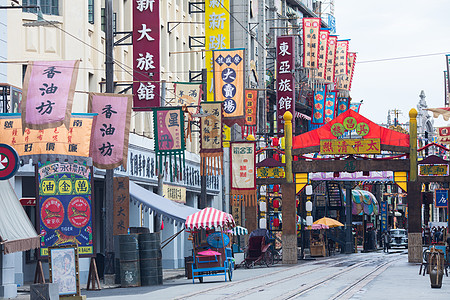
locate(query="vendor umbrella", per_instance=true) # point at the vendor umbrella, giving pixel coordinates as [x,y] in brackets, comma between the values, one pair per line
[329,222]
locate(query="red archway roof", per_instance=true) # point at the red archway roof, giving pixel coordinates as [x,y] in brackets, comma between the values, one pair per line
[387,136]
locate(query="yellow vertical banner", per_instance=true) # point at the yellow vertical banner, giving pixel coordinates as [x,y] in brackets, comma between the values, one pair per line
[217,36]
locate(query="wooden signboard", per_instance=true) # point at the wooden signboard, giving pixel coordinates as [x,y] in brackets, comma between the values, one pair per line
[433,170]
[121,205]
[273,172]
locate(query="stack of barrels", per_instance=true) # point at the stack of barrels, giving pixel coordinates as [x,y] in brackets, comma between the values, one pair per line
[140,259]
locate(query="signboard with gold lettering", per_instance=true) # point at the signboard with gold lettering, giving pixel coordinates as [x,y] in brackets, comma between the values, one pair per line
[174,193]
[121,195]
[65,207]
[350,146]
[273,172]
[433,170]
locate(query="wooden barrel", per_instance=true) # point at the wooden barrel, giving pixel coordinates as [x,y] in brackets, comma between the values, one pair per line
[150,258]
[129,260]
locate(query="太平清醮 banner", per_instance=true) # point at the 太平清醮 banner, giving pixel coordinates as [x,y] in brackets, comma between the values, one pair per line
[146,55]
[65,207]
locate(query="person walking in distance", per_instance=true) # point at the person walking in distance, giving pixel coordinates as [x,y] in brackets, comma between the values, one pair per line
[386,240]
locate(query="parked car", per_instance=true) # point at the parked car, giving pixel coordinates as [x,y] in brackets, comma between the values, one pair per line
[399,238]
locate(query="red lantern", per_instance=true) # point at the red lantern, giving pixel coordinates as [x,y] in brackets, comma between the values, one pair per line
[276,222]
[276,203]
[275,141]
[276,156]
[276,188]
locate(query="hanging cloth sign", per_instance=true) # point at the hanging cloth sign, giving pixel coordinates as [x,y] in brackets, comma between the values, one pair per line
[346,83]
[229,70]
[251,99]
[447,84]
[340,72]
[447,91]
[189,94]
[331,57]
[211,150]
[355,107]
[169,140]
[342,105]
[311,28]
[323,50]
[111,129]
[443,135]
[48,91]
[318,110]
[330,105]
[243,173]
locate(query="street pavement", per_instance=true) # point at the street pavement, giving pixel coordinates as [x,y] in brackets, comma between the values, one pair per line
[374,275]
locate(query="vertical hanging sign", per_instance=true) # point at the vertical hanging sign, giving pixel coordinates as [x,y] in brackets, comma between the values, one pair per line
[121,220]
[446,90]
[211,152]
[341,61]
[330,105]
[447,59]
[217,36]
[146,55]
[318,110]
[342,105]
[346,83]
[311,28]
[323,50]
[243,172]
[331,57]
[251,97]
[285,79]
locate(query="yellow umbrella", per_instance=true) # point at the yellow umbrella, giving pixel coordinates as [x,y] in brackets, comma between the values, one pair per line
[329,222]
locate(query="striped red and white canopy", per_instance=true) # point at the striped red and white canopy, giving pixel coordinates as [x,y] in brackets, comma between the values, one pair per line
[208,218]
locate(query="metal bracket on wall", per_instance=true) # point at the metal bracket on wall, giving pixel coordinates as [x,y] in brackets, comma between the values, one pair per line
[196,41]
[195,76]
[196,7]
[169,28]
[127,35]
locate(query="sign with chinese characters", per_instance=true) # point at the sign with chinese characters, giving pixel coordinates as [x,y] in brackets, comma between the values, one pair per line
[323,50]
[217,36]
[111,128]
[441,198]
[146,54]
[243,172]
[236,213]
[189,94]
[331,56]
[169,138]
[443,135]
[270,172]
[48,90]
[28,201]
[211,151]
[65,207]
[121,207]
[355,107]
[330,105]
[446,90]
[251,100]
[229,70]
[174,193]
[342,105]
[51,143]
[318,110]
[350,146]
[447,84]
[340,71]
[285,79]
[433,170]
[311,29]
[346,83]
[384,216]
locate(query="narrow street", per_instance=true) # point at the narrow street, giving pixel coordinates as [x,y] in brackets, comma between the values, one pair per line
[358,276]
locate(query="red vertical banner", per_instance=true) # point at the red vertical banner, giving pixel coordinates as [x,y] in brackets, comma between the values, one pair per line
[285,79]
[146,55]
[331,57]
[311,29]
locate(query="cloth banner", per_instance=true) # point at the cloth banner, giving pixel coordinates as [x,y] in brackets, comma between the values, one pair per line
[318,110]
[65,207]
[443,136]
[211,148]
[330,105]
[111,129]
[323,50]
[346,83]
[169,140]
[51,144]
[285,79]
[121,207]
[331,59]
[340,72]
[243,173]
[48,90]
[229,78]
[355,106]
[311,29]
[446,90]
[251,101]
[189,94]
[146,55]
[342,105]
[444,111]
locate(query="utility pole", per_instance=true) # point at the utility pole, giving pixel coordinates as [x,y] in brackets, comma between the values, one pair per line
[109,62]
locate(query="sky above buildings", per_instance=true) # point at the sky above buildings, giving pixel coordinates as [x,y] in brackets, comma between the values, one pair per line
[383,30]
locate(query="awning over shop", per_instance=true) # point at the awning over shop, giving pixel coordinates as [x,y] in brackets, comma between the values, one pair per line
[161,206]
[16,231]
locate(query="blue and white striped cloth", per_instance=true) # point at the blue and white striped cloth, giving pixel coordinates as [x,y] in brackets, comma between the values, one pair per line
[239,230]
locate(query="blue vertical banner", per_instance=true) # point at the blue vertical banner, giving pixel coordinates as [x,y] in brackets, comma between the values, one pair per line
[441,198]
[384,219]
[330,105]
[342,105]
[318,110]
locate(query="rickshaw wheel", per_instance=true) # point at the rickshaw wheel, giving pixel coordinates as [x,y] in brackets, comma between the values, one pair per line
[200,279]
[230,272]
[268,258]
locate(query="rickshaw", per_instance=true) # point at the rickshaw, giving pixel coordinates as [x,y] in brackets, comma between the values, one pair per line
[212,255]
[258,249]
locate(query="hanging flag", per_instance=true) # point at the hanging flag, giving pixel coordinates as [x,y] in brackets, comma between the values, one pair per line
[342,105]
[443,135]
[211,149]
[447,59]
[285,79]
[340,71]
[355,106]
[146,55]
[229,73]
[323,50]
[169,140]
[51,144]
[48,90]
[243,173]
[446,90]
[189,94]
[251,99]
[331,58]
[311,28]
[345,84]
[111,129]
[217,36]
[330,105]
[318,110]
